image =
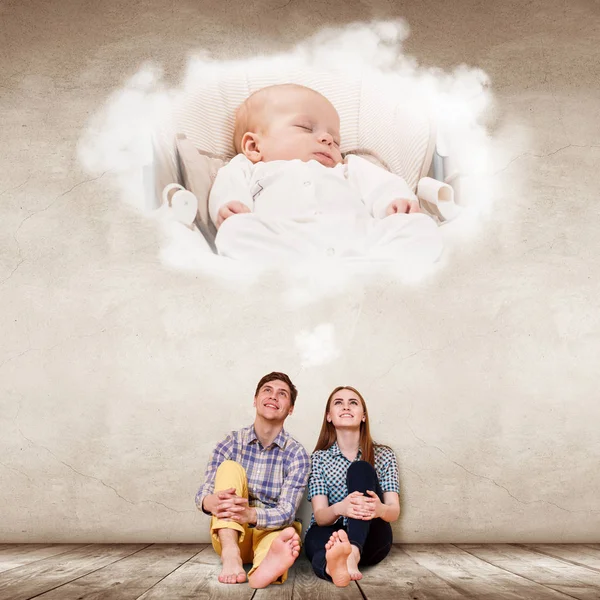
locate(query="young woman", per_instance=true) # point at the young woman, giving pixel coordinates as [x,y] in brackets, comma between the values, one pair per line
[353,487]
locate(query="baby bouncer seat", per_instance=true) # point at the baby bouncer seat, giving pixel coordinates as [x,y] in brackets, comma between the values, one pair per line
[379,121]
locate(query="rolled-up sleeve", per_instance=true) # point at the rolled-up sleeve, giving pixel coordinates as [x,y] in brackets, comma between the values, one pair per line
[291,493]
[223,451]
[317,486]
[388,477]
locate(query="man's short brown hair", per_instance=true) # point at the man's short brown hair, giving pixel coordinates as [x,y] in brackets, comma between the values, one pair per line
[274,376]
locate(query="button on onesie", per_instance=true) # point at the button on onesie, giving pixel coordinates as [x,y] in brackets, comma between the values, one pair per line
[304,209]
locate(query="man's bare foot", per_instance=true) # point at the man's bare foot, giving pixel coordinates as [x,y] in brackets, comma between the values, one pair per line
[281,556]
[352,562]
[233,568]
[337,551]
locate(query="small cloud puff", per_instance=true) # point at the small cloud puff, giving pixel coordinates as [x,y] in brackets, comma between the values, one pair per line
[317,347]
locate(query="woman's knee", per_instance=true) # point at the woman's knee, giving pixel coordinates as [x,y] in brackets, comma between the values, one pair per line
[361,474]
[361,466]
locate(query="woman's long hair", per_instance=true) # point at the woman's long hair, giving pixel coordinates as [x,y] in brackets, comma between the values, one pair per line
[327,437]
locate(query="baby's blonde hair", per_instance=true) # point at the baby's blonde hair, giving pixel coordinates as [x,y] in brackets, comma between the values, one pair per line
[251,114]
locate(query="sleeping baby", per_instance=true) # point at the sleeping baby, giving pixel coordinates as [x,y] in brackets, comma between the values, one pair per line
[289,193]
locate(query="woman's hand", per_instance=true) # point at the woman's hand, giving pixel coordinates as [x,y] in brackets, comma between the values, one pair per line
[354,506]
[374,506]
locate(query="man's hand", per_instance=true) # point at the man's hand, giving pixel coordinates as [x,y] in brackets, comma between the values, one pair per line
[235,508]
[227,505]
[212,501]
[231,208]
[402,205]
[354,506]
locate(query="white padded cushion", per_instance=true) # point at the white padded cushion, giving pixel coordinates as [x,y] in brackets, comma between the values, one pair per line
[198,172]
[374,118]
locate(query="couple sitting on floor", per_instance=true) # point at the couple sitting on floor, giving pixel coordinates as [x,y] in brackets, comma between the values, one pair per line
[256,477]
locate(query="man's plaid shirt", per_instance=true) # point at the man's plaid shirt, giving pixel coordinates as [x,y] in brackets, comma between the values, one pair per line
[277,474]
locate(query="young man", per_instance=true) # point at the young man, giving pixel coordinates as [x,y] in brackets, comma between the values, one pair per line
[253,484]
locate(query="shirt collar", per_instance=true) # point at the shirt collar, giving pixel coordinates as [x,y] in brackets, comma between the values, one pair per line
[280,440]
[251,435]
[334,450]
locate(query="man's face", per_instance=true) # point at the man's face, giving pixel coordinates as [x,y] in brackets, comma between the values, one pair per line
[301,125]
[273,401]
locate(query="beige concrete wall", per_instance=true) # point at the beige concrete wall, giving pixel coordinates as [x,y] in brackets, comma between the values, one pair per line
[117,374]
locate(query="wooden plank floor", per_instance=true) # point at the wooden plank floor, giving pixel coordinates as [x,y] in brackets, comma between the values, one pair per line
[412,572]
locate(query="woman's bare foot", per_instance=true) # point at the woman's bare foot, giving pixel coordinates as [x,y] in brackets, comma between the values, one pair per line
[337,551]
[281,556]
[352,562]
[233,568]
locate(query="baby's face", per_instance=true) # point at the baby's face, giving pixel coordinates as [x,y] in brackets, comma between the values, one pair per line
[301,124]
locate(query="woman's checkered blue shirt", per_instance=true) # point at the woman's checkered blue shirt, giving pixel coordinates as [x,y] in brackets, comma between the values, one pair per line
[329,468]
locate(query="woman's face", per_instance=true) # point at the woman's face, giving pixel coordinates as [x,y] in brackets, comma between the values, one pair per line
[345,410]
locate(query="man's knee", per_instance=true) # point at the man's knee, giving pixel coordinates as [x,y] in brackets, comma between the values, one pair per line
[230,474]
[230,466]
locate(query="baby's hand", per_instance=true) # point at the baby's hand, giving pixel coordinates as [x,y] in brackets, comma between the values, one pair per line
[231,208]
[402,205]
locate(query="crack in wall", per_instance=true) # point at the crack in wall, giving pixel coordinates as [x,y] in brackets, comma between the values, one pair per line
[544,155]
[2,364]
[37,212]
[14,270]
[22,260]
[459,338]
[62,342]
[107,485]
[16,470]
[405,468]
[478,475]
[12,189]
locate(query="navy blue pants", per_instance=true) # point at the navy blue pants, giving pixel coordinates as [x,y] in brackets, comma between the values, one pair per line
[373,538]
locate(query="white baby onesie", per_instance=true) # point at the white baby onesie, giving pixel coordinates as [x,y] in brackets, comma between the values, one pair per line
[306,209]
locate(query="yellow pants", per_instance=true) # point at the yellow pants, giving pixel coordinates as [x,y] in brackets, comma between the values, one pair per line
[253,543]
